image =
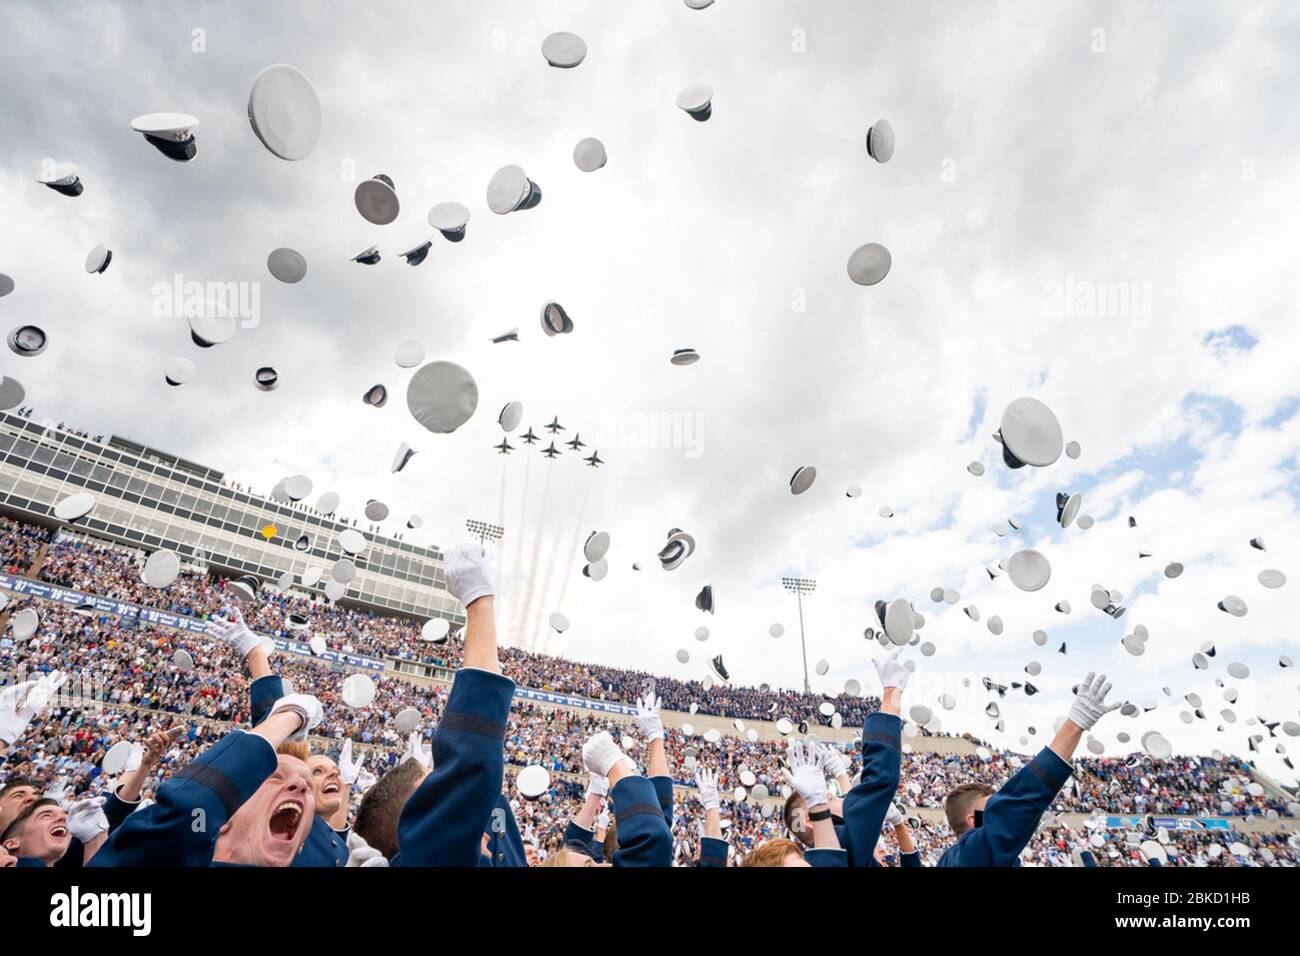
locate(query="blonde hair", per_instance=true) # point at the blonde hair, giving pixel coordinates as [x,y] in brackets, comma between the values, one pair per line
[294,748]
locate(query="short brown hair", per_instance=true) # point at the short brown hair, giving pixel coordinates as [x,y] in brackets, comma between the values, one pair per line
[16,825]
[772,852]
[13,783]
[958,803]
[381,807]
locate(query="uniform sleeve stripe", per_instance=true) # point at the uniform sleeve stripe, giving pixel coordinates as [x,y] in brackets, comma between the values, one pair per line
[639,808]
[876,737]
[473,725]
[217,782]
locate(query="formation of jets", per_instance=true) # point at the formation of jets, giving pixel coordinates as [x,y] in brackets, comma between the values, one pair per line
[550,451]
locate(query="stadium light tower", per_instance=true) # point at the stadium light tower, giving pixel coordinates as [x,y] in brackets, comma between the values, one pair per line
[800,587]
[484,532]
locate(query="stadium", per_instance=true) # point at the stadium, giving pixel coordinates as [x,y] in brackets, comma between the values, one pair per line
[674,435]
[120,639]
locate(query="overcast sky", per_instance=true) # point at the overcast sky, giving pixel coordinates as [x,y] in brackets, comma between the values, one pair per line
[1044,152]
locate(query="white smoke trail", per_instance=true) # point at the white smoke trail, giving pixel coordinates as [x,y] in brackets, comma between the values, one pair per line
[572,562]
[555,554]
[511,615]
[532,564]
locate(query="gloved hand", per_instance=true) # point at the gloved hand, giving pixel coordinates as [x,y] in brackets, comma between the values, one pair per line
[706,782]
[891,672]
[86,819]
[1090,702]
[415,750]
[597,785]
[361,853]
[647,715]
[366,780]
[805,772]
[58,791]
[306,706]
[602,820]
[135,759]
[893,816]
[20,704]
[468,574]
[833,761]
[232,630]
[600,754]
[348,769]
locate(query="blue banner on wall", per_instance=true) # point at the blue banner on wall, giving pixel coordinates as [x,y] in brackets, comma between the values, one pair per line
[570,700]
[181,622]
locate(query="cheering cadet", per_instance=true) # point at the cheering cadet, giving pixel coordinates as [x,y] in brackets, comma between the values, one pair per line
[992,828]
[237,803]
[325,845]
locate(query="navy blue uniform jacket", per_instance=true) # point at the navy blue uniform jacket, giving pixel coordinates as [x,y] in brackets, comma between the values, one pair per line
[323,846]
[1011,815]
[866,804]
[643,835]
[193,805]
[444,820]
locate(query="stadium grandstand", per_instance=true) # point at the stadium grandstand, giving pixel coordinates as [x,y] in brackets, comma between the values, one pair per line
[119,640]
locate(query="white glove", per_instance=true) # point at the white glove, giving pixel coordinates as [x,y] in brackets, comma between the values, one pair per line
[135,758]
[893,816]
[361,853]
[602,820]
[647,715]
[805,772]
[348,770]
[600,754]
[415,751]
[58,791]
[597,785]
[892,673]
[22,702]
[234,632]
[306,706]
[1090,702]
[706,782]
[86,819]
[833,761]
[365,780]
[468,575]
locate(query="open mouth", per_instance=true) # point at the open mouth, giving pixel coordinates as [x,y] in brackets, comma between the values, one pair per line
[59,832]
[330,788]
[284,821]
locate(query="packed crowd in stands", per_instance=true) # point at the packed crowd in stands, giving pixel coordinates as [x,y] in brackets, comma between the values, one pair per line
[127,668]
[114,573]
[19,545]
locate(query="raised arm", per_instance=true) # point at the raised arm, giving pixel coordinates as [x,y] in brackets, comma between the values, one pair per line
[443,822]
[1011,815]
[643,836]
[713,848]
[805,772]
[866,804]
[652,729]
